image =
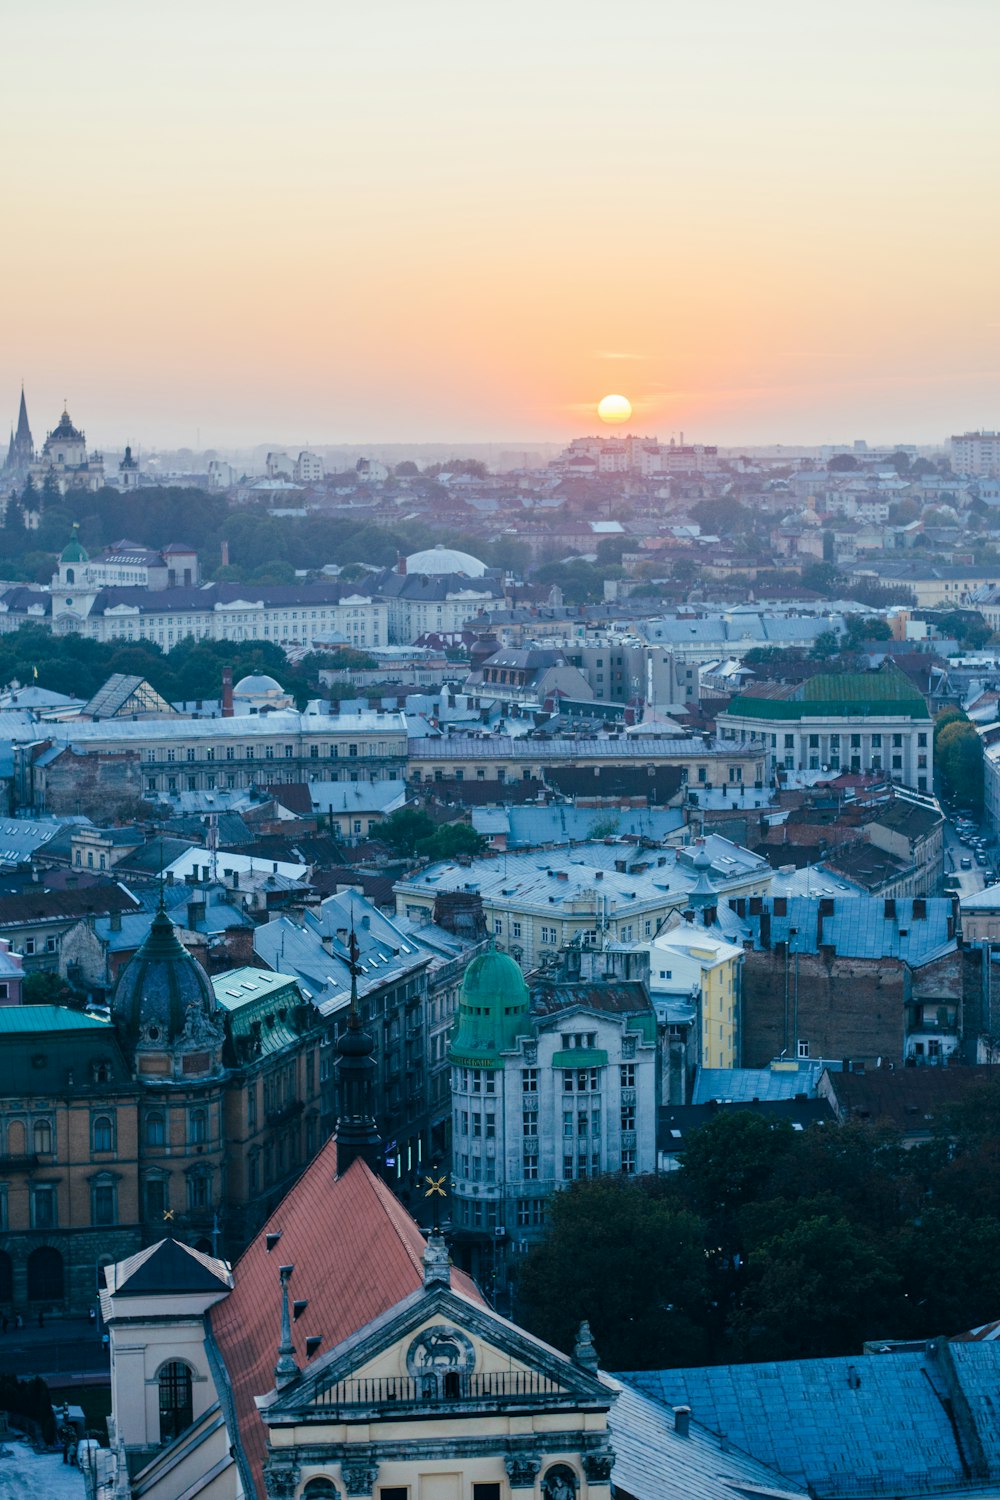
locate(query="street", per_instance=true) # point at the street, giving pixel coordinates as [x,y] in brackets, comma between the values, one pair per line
[969,881]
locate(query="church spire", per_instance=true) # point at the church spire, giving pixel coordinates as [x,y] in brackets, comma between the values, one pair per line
[23,427]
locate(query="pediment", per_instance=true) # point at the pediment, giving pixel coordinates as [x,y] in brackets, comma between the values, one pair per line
[436,1346]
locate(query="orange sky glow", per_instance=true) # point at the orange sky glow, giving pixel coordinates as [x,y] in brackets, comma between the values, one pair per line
[444,222]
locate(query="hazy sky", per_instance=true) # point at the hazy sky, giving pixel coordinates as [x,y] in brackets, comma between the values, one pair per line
[362,220]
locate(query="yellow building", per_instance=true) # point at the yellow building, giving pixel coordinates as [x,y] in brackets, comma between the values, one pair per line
[690,965]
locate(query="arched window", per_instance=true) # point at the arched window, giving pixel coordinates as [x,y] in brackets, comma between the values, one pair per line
[198,1125]
[42,1137]
[156,1130]
[320,1489]
[70,575]
[175,1399]
[45,1275]
[103,1133]
[451,1385]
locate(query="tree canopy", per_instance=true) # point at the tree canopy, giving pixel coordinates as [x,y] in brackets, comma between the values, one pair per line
[773,1244]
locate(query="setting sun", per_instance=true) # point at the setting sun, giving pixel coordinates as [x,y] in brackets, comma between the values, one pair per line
[614,409]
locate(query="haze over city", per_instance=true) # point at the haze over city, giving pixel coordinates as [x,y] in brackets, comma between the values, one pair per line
[405,223]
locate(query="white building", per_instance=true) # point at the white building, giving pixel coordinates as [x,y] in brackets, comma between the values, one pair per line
[856,721]
[976,453]
[308,468]
[546,1090]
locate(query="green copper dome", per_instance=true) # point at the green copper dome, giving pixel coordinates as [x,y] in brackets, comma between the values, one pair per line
[492,1011]
[73,552]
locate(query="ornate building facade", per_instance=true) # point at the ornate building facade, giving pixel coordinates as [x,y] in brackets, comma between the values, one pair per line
[195,1107]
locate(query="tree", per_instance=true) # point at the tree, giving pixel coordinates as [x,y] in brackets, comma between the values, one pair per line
[620,1254]
[452,840]
[825,645]
[723,517]
[730,1160]
[869,628]
[404,829]
[958,753]
[822,578]
[819,1285]
[42,988]
[842,463]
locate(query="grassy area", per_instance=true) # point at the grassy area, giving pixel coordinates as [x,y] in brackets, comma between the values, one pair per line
[94,1399]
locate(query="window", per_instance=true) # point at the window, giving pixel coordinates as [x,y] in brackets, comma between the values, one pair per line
[628,1116]
[497,926]
[393,1492]
[198,1127]
[103,1133]
[803,1049]
[530,1213]
[156,1198]
[198,1192]
[530,1166]
[486,1491]
[628,1163]
[175,1399]
[42,1137]
[156,1133]
[529,1121]
[43,1205]
[102,1202]
[627,1072]
[529,1080]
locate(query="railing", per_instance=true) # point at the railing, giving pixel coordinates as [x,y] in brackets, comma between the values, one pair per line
[22,1163]
[439,1387]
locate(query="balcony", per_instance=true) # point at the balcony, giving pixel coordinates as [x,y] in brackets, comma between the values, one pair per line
[23,1163]
[440,1388]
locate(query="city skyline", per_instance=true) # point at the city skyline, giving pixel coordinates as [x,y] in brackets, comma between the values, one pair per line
[439,225]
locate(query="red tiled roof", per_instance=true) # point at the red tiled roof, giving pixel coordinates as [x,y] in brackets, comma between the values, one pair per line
[356,1253]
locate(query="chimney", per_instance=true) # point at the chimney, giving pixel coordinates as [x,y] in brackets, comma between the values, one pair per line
[682,1421]
[116,921]
[225,554]
[227,692]
[401,564]
[709,915]
[630,716]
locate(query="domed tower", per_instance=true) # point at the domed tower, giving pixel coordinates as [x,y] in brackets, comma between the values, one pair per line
[492,1012]
[72,561]
[165,1009]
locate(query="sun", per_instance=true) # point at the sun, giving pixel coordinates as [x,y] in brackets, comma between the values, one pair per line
[614,409]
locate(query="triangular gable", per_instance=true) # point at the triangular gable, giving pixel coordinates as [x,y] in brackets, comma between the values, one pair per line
[398,1358]
[170,1268]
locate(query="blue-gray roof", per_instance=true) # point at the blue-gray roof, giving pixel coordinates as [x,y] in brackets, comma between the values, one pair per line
[742,1084]
[875,1424]
[858,927]
[653,1462]
[532,827]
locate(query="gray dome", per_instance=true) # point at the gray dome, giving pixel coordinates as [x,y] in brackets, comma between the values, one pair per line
[163,992]
[256,686]
[440,559]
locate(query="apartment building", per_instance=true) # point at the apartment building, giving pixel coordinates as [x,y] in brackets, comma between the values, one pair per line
[535,904]
[699,760]
[853,721]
